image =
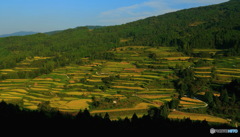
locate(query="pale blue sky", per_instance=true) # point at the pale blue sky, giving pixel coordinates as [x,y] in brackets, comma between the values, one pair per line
[49,15]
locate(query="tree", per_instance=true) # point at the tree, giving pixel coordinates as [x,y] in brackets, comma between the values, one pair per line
[224,97]
[217,102]
[106,117]
[86,114]
[152,56]
[234,87]
[233,100]
[134,118]
[164,110]
[213,73]
[45,107]
[154,112]
[209,97]
[173,104]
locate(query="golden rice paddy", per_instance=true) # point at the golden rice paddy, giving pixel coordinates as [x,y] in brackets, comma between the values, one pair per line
[125,87]
[203,68]
[39,89]
[191,99]
[203,76]
[19,90]
[177,58]
[7,70]
[78,104]
[203,72]
[154,96]
[94,80]
[196,116]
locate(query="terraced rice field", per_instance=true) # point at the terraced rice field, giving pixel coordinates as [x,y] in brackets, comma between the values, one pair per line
[23,65]
[186,102]
[72,87]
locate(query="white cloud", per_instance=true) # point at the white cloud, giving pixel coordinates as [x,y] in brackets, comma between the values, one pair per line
[148,8]
[135,12]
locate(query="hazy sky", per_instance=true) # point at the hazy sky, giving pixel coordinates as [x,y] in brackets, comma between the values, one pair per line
[49,15]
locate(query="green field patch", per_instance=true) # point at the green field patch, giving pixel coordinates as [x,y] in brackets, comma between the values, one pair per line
[24,68]
[228,71]
[227,63]
[206,50]
[228,76]
[182,63]
[177,58]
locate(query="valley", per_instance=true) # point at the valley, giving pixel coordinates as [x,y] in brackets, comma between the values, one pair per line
[133,80]
[179,70]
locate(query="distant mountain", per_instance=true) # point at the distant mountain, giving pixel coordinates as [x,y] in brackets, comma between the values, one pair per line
[20,33]
[58,31]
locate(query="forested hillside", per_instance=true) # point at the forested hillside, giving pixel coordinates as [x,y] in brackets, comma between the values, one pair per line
[214,26]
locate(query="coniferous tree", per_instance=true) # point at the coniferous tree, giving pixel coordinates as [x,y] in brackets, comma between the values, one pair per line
[164,111]
[224,97]
[209,97]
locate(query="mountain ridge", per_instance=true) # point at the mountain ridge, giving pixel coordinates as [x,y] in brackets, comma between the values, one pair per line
[19,33]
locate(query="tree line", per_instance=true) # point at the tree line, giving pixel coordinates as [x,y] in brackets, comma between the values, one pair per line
[155,120]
